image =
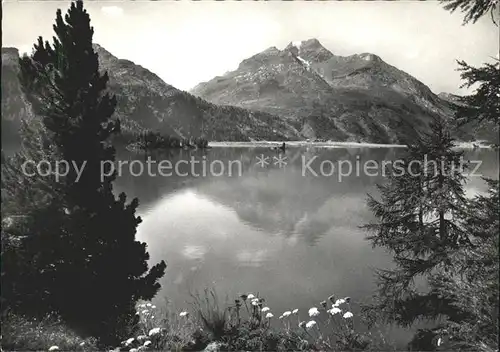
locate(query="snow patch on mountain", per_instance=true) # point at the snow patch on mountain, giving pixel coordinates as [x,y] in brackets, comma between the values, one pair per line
[306,63]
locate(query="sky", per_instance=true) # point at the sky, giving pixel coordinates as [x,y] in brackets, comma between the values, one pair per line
[186,43]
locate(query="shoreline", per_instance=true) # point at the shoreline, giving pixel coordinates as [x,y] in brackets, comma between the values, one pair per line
[331,144]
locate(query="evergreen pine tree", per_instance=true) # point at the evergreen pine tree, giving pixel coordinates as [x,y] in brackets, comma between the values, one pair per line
[86,261]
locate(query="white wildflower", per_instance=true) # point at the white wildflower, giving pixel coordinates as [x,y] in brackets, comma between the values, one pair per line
[154,331]
[129,341]
[313,312]
[145,311]
[54,348]
[335,310]
[339,302]
[153,306]
[250,296]
[82,343]
[149,304]
[183,314]
[265,309]
[295,311]
[141,337]
[287,314]
[133,350]
[147,343]
[310,324]
[439,342]
[142,306]
[269,315]
[348,315]
[255,303]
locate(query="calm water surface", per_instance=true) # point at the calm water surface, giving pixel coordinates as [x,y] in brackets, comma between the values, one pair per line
[293,238]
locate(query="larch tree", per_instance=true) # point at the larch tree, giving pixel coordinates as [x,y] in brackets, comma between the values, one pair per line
[468,314]
[482,107]
[420,217]
[461,291]
[473,9]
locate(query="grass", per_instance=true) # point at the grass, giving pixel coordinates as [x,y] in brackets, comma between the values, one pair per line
[22,334]
[214,319]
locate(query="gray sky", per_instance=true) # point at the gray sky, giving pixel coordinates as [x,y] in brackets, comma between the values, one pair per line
[189,42]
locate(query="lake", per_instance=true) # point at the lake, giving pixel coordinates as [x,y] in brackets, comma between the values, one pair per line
[248,225]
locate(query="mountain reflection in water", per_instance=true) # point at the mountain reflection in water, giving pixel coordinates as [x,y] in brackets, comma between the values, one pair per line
[294,239]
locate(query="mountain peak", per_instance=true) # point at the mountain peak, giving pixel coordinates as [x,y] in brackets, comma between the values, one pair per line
[310,49]
[310,44]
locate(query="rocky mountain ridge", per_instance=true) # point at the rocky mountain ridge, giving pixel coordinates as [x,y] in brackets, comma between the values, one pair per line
[358,97]
[301,92]
[145,101]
